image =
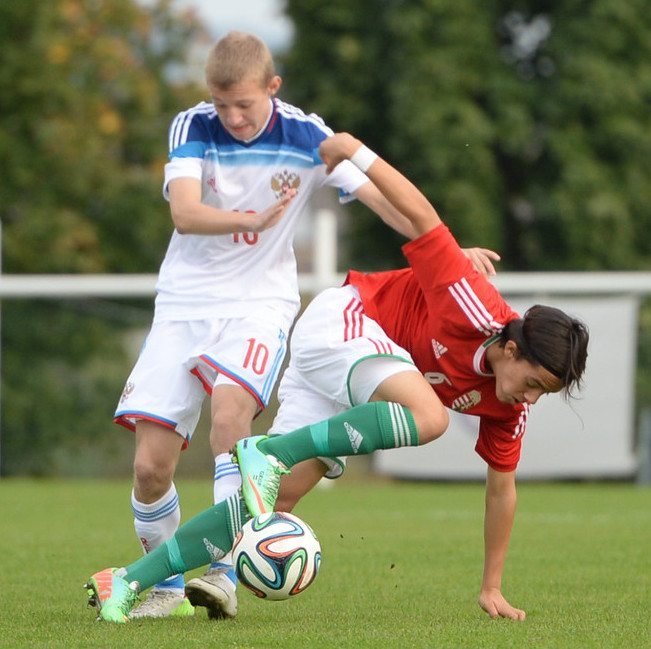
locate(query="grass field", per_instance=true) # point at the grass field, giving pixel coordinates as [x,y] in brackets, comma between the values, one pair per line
[401,568]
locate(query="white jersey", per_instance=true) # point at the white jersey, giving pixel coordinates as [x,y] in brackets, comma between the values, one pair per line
[228,276]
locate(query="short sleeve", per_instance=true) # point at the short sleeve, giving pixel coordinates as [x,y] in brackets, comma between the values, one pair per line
[181,168]
[436,258]
[188,140]
[500,442]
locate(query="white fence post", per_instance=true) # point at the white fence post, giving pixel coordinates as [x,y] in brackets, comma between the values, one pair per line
[644,448]
[325,248]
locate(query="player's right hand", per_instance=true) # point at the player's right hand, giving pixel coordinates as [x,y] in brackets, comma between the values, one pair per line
[495,604]
[269,217]
[482,259]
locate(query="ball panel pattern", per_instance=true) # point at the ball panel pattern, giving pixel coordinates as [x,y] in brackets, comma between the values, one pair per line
[276,555]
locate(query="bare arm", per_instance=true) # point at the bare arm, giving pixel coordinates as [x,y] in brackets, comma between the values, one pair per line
[498,521]
[373,198]
[191,216]
[403,195]
[481,258]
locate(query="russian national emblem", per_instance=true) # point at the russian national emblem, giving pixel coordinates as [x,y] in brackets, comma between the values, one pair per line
[283,181]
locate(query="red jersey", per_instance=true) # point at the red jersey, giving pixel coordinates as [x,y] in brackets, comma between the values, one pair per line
[446,314]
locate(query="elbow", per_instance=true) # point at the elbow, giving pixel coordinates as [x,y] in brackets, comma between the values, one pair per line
[181,229]
[182,220]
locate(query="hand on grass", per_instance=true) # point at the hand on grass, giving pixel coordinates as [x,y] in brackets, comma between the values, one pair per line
[494,603]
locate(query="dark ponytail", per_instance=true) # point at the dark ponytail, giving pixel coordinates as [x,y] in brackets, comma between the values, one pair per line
[549,337]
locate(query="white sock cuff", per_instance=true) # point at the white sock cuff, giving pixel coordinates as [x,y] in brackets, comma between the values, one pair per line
[227,477]
[223,458]
[161,508]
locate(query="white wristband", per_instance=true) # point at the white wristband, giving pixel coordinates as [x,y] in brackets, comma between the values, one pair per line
[363,158]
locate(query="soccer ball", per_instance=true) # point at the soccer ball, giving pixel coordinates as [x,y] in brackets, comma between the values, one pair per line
[276,555]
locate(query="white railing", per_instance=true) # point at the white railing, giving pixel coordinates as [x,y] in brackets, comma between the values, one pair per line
[136,286]
[324,274]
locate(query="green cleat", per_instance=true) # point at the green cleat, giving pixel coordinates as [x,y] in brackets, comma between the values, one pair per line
[112,596]
[260,475]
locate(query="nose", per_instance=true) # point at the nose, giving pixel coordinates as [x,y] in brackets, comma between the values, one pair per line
[531,396]
[231,117]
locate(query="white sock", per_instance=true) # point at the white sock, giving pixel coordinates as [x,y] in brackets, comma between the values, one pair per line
[155,523]
[227,477]
[227,481]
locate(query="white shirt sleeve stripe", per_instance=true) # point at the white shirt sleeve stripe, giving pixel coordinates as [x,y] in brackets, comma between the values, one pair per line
[468,309]
[480,306]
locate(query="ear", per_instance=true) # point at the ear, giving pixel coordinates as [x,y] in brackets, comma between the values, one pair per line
[511,350]
[274,85]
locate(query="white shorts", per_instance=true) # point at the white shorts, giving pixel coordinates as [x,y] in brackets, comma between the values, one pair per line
[180,363]
[338,358]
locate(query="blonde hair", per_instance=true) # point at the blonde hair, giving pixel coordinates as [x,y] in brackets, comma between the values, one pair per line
[238,57]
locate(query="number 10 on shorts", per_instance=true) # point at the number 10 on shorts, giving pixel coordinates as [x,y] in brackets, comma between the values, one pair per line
[257,356]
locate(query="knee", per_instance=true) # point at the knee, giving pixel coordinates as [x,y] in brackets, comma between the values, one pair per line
[224,420]
[431,422]
[152,477]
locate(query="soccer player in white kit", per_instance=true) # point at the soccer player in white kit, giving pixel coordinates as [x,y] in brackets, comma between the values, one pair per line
[241,170]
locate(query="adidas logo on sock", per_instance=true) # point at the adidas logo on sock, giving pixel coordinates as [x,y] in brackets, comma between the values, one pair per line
[215,553]
[354,436]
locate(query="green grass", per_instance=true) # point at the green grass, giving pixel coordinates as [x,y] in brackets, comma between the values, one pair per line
[401,568]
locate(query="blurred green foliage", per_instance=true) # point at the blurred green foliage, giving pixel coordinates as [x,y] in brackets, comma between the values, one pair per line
[527,123]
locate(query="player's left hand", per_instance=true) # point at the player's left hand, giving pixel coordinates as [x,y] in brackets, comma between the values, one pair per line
[494,603]
[482,259]
[336,148]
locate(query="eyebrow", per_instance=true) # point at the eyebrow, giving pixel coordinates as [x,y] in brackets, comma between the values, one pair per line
[552,389]
[546,389]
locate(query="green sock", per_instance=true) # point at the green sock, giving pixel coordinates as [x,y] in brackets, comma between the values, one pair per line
[203,539]
[358,431]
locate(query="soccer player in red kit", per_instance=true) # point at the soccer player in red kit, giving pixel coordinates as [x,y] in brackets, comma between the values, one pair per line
[377,361]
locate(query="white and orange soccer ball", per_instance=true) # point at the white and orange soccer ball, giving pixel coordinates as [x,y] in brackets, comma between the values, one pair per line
[276,555]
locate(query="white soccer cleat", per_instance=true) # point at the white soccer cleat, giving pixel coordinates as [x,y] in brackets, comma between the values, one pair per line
[215,591]
[163,603]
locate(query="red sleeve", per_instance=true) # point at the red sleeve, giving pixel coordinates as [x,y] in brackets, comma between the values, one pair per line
[451,284]
[436,258]
[500,442]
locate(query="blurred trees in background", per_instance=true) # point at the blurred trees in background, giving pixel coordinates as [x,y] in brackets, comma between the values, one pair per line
[86,96]
[85,102]
[527,124]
